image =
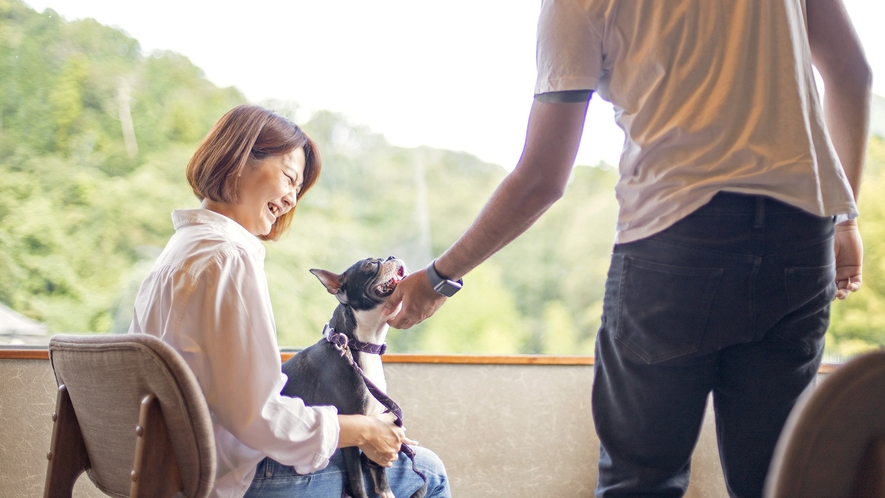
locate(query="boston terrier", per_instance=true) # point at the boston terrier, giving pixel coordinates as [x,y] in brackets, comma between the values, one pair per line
[336,370]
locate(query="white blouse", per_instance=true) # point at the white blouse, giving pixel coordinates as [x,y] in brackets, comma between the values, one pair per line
[207,297]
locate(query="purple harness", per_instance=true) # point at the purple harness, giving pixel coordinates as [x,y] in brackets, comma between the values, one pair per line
[344,345]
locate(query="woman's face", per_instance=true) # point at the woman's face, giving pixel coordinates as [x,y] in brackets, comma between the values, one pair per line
[268,190]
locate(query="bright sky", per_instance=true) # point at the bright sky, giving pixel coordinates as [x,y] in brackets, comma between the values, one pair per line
[457,74]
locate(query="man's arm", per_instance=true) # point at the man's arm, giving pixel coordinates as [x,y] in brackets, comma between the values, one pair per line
[539,180]
[839,57]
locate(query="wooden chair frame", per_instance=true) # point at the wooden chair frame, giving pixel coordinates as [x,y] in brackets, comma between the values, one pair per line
[155,472]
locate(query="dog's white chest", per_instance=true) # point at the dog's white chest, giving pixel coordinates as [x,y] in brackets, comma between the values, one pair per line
[374,371]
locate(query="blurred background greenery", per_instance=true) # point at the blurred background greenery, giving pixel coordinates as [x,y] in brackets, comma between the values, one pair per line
[94,138]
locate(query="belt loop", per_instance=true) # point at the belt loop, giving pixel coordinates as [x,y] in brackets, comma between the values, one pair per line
[760,212]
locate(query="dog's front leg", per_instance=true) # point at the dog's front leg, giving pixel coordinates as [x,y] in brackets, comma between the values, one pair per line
[379,477]
[354,467]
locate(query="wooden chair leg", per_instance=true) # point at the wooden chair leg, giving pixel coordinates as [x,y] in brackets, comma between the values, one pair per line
[155,472]
[67,452]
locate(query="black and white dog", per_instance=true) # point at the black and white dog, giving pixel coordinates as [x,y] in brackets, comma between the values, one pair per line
[324,374]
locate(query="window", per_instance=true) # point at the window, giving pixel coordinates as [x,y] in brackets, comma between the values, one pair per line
[419,111]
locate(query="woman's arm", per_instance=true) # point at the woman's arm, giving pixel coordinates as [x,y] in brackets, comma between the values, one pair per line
[237,363]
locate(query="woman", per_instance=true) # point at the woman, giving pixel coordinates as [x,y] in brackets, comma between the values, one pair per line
[207,297]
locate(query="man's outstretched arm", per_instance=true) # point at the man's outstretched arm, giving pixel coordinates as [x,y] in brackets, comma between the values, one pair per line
[539,180]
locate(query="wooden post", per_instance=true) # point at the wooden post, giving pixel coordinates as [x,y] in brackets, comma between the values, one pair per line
[155,472]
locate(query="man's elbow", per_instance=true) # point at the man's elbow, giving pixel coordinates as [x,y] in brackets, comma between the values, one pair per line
[851,73]
[540,183]
[546,193]
[865,75]
[859,74]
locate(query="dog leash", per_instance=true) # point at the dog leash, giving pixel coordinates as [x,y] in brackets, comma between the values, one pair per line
[344,345]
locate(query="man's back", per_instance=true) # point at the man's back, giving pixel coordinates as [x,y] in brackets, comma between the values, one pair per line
[711,95]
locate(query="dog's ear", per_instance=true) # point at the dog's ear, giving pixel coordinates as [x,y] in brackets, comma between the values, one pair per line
[333,283]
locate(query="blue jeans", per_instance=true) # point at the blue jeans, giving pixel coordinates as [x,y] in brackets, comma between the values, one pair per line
[734,299]
[275,480]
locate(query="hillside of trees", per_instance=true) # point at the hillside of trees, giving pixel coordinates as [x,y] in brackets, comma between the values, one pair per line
[94,139]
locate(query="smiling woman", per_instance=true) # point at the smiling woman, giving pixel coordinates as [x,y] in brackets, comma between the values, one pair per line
[207,297]
[252,167]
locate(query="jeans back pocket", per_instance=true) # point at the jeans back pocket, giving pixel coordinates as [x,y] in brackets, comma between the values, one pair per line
[810,290]
[663,309]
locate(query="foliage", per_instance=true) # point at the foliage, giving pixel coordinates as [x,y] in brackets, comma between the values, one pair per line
[76,205]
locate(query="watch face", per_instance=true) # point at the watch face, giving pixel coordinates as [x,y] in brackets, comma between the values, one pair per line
[447,288]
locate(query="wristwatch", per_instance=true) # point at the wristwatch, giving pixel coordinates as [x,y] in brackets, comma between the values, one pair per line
[442,285]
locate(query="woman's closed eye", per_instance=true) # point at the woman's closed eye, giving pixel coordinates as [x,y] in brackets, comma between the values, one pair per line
[293,184]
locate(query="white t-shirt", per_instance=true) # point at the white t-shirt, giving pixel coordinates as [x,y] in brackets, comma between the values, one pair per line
[207,297]
[713,95]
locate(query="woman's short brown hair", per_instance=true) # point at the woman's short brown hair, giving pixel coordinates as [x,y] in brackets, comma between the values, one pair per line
[247,135]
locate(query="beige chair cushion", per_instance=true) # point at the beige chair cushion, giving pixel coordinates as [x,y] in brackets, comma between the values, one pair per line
[107,377]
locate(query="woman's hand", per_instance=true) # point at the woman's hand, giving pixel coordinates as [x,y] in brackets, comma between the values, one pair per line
[377,436]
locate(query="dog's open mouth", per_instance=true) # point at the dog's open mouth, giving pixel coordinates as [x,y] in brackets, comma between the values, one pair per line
[386,288]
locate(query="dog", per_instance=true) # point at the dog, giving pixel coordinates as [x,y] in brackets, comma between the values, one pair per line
[323,374]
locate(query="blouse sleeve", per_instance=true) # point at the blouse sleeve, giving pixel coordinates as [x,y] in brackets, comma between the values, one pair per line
[237,362]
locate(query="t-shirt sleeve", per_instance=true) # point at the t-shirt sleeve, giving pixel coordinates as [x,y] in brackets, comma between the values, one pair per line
[569,48]
[238,366]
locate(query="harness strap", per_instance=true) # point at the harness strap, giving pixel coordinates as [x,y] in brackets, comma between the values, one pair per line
[343,345]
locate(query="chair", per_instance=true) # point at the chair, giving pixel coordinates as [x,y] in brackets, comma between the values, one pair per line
[833,444]
[131,414]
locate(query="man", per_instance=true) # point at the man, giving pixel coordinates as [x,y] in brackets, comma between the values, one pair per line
[736,227]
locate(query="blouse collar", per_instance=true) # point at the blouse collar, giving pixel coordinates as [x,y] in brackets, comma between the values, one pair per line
[200,216]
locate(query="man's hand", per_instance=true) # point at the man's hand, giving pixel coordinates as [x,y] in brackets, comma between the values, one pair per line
[416,298]
[848,248]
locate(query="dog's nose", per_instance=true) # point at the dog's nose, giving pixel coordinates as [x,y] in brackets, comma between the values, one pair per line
[390,257]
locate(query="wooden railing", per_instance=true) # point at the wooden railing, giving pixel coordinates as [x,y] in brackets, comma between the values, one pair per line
[442,359]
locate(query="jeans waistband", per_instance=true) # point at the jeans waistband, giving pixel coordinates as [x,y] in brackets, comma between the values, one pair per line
[746,204]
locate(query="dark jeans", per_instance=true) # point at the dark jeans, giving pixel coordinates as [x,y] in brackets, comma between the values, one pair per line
[734,299]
